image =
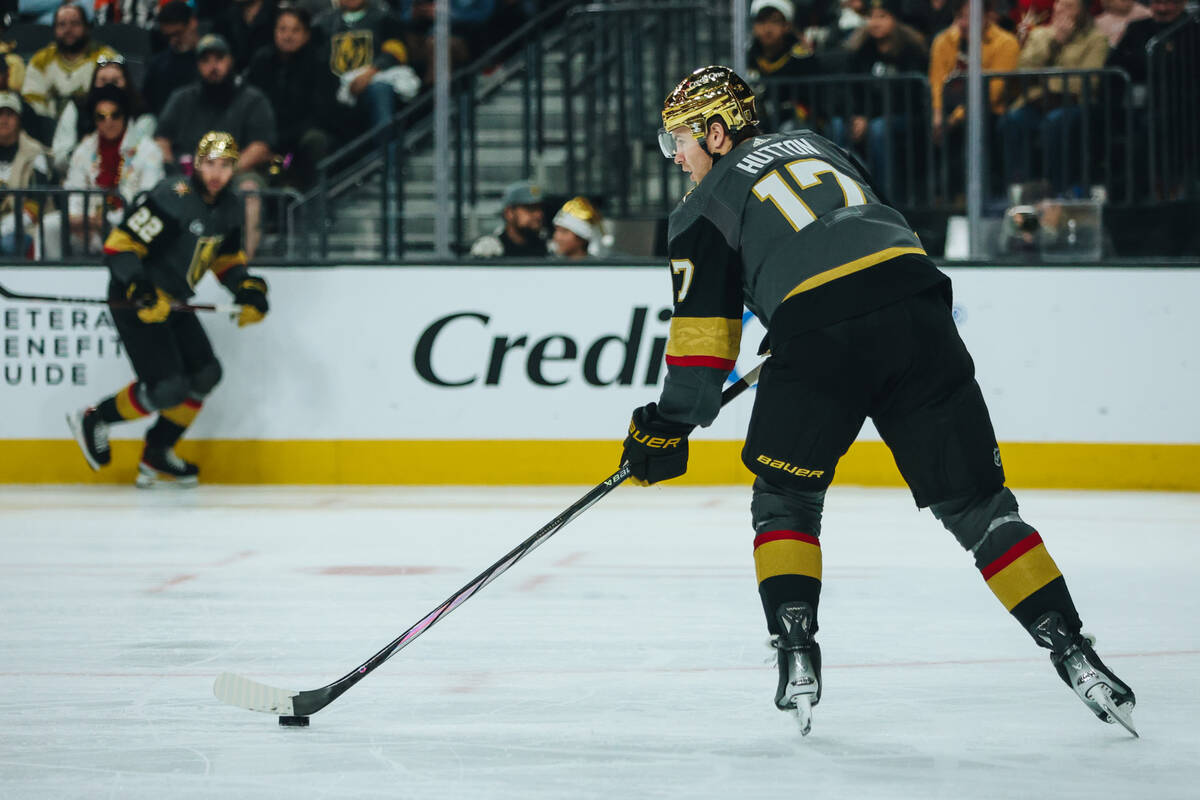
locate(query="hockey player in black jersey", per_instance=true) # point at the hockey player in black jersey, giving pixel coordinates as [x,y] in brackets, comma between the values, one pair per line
[167,242]
[859,325]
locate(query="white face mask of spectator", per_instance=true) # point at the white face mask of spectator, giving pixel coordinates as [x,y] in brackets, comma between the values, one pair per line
[352,17]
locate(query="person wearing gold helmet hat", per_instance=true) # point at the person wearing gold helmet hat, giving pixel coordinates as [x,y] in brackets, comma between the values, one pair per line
[859,325]
[180,230]
[578,229]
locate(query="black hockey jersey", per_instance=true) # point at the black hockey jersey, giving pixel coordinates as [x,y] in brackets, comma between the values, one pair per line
[789,226]
[172,236]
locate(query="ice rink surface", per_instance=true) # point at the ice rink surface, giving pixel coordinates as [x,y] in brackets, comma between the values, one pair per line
[623,659]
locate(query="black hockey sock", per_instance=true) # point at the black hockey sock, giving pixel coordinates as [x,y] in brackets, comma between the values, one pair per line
[788,566]
[172,423]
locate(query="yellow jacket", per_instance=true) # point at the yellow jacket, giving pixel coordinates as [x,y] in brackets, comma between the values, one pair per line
[1000,53]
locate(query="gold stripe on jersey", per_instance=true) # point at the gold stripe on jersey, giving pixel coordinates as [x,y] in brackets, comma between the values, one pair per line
[396,49]
[857,265]
[227,262]
[715,337]
[119,241]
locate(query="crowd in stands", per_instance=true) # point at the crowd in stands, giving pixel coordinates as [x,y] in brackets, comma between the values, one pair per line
[1028,118]
[290,81]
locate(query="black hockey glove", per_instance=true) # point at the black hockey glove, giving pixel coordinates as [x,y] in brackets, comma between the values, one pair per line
[153,304]
[251,295]
[656,449]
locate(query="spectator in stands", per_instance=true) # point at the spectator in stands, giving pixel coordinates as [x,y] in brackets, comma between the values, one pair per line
[63,70]
[142,13]
[851,17]
[174,67]
[218,103]
[1117,15]
[521,234]
[884,47]
[75,121]
[928,17]
[114,156]
[248,26]
[370,60]
[24,164]
[1052,113]
[1030,14]
[1130,52]
[776,52]
[947,57]
[296,79]
[468,27]
[578,230]
[14,69]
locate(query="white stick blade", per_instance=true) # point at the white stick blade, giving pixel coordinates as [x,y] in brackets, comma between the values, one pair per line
[245,693]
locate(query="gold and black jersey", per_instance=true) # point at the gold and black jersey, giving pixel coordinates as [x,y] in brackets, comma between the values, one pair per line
[789,226]
[377,39]
[172,236]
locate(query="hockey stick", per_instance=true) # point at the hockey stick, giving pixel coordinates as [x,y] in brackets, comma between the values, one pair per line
[254,696]
[102,301]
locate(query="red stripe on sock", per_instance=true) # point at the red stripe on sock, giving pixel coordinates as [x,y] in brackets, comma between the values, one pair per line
[195,404]
[701,361]
[131,391]
[775,536]
[1016,551]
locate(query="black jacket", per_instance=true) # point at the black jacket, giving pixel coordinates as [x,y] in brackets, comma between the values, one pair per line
[301,89]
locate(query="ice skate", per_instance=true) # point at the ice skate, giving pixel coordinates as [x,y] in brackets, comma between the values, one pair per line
[161,467]
[799,658]
[92,435]
[1098,687]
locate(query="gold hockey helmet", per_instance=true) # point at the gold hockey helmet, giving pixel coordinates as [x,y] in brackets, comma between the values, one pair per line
[217,144]
[713,91]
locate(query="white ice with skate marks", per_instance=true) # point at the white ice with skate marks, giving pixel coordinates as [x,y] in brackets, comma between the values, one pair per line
[624,658]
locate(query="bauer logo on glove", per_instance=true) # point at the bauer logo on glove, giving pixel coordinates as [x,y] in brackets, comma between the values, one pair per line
[656,448]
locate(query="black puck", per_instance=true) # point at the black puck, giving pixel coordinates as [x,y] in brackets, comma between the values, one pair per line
[294,722]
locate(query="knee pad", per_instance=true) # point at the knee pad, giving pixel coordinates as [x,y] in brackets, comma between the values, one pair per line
[204,380]
[167,393]
[986,525]
[773,508]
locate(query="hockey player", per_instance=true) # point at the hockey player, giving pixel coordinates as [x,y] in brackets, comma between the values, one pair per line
[859,325]
[181,230]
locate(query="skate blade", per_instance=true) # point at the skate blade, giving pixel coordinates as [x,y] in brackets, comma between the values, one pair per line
[1101,695]
[147,480]
[75,423]
[803,713]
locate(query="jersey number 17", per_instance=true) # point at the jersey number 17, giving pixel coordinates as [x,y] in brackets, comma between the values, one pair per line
[806,174]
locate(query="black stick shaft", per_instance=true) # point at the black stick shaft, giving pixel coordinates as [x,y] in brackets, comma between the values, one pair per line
[100,301]
[309,702]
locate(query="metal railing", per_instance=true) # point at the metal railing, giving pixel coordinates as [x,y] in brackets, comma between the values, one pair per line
[1173,111]
[1067,129]
[385,152]
[617,66]
[1091,145]
[54,225]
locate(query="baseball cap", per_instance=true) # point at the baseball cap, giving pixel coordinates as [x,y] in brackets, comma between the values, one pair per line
[784,7]
[212,43]
[11,101]
[522,193]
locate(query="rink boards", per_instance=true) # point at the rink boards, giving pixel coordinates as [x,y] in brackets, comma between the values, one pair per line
[510,375]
